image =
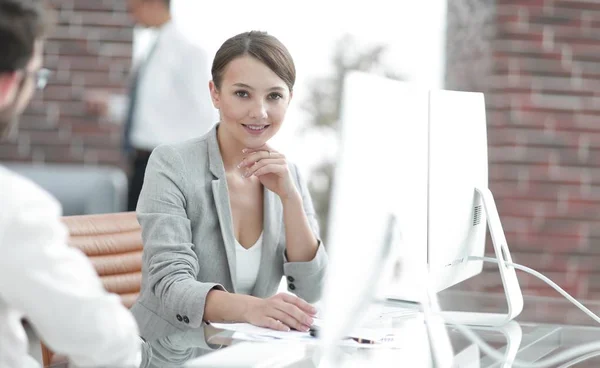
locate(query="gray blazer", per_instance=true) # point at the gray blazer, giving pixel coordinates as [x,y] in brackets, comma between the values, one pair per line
[189,244]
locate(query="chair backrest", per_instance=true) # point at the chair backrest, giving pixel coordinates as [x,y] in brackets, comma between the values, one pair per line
[113,243]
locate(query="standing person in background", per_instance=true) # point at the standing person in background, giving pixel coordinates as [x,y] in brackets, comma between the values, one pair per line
[43,280]
[168,99]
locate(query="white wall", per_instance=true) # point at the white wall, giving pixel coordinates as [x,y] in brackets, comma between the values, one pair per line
[414,31]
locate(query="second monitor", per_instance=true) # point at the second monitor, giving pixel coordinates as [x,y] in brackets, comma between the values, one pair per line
[421,155]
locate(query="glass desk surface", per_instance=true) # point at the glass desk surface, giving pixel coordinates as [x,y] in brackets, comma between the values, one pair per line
[547,326]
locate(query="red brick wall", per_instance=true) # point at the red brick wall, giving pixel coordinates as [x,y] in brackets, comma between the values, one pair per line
[90,48]
[538,62]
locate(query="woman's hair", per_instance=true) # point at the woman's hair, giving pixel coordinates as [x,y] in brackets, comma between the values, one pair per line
[264,47]
[22,22]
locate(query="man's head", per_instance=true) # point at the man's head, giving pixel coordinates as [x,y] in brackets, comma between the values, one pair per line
[150,13]
[22,29]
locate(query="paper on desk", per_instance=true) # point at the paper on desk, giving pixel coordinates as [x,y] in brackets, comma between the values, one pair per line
[393,340]
[249,329]
[390,311]
[384,337]
[264,338]
[373,329]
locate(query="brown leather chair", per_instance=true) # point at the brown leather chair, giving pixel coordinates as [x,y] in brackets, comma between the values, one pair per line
[113,243]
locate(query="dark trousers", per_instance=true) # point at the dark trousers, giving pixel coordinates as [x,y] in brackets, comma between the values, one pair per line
[139,161]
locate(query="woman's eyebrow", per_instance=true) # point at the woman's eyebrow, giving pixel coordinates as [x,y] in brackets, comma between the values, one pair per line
[244,85]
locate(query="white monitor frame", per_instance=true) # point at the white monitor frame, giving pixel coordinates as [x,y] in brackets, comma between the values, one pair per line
[460,205]
[394,160]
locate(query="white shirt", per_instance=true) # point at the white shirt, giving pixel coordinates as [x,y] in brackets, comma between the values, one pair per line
[247,264]
[173,100]
[54,287]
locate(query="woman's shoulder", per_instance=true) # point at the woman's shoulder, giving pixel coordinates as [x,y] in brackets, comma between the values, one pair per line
[192,148]
[188,158]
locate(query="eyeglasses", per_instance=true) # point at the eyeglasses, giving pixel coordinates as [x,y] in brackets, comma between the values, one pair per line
[41,77]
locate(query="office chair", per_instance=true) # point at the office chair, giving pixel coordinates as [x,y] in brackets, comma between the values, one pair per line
[113,243]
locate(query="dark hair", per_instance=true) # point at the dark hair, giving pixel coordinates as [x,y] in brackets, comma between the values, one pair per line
[22,22]
[264,47]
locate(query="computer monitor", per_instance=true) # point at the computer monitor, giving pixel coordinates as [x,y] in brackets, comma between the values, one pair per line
[420,155]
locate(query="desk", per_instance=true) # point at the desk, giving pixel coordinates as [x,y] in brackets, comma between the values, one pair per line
[546,326]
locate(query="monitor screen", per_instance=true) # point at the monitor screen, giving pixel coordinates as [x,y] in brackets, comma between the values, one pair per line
[417,154]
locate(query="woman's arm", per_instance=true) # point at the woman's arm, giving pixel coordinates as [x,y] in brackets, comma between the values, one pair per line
[226,307]
[305,260]
[301,243]
[171,264]
[305,274]
[279,312]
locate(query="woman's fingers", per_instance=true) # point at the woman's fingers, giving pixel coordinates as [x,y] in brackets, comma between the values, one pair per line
[286,319]
[300,303]
[274,324]
[265,147]
[302,320]
[255,157]
[268,167]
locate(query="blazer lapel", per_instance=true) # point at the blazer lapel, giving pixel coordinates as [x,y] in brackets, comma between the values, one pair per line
[221,197]
[272,213]
[224,212]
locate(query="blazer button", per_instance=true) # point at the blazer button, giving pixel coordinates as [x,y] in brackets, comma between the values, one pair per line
[179,318]
[290,279]
[292,287]
[186,319]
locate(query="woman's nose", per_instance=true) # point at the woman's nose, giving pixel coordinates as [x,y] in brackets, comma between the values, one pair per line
[259,111]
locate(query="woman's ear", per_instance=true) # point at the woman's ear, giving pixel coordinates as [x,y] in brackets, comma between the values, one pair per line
[214,94]
[291,95]
[9,83]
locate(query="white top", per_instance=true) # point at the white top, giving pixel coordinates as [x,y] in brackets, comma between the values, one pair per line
[55,287]
[247,264]
[173,101]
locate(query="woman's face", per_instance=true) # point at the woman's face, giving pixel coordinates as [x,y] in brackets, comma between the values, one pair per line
[252,101]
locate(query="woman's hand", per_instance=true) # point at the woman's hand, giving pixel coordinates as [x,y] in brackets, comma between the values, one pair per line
[271,168]
[280,312]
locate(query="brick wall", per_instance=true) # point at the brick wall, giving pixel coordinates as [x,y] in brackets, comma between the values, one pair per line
[538,62]
[90,48]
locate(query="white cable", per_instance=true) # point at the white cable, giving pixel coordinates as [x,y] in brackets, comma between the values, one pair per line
[572,353]
[580,359]
[590,350]
[543,278]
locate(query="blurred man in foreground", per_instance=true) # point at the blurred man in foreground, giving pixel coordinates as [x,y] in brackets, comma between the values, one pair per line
[54,287]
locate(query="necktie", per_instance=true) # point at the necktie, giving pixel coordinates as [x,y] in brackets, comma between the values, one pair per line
[133,97]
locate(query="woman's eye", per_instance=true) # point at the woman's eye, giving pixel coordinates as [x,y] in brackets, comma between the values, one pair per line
[275,96]
[242,94]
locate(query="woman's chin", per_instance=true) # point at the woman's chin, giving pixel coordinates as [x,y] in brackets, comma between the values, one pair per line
[256,141]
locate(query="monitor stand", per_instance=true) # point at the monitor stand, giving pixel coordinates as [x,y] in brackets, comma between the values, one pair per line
[512,290]
[440,347]
[513,334]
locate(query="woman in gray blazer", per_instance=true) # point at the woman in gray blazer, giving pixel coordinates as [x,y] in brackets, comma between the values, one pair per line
[207,202]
